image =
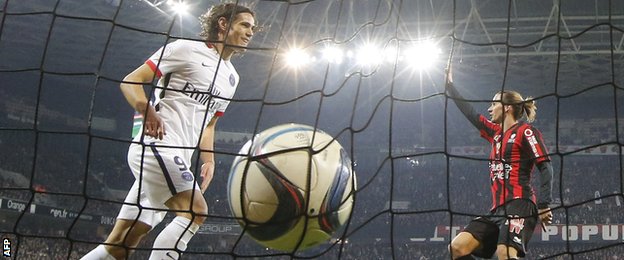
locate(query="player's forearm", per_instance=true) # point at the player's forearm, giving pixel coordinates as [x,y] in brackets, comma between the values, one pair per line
[463,106]
[132,87]
[206,144]
[206,154]
[545,190]
[135,95]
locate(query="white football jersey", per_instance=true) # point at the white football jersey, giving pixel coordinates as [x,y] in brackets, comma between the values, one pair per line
[196,86]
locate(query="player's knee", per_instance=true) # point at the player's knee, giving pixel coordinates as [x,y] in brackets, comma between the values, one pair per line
[127,233]
[201,211]
[199,208]
[119,247]
[118,252]
[463,245]
[458,248]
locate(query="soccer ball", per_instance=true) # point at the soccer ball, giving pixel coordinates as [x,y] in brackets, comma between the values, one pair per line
[294,189]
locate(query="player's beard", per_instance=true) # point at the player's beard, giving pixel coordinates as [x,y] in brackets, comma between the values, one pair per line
[237,48]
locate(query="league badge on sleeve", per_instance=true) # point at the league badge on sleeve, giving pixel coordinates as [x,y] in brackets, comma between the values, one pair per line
[232,80]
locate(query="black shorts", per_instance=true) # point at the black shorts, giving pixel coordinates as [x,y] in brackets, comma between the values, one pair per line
[517,217]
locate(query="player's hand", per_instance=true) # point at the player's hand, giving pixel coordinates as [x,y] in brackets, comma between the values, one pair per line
[545,215]
[153,125]
[207,171]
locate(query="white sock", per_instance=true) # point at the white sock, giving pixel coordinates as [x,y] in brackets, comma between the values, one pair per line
[175,236]
[98,253]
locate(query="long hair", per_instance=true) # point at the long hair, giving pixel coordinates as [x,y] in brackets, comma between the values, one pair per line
[210,20]
[521,106]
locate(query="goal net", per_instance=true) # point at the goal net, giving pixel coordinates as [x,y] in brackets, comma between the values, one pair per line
[369,73]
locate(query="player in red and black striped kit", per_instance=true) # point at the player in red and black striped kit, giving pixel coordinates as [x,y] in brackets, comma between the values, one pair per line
[517,147]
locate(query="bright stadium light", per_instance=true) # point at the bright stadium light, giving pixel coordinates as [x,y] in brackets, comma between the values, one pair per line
[369,55]
[178,7]
[297,58]
[422,55]
[390,54]
[349,54]
[333,54]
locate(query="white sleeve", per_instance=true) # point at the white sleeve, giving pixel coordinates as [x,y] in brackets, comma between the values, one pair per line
[171,60]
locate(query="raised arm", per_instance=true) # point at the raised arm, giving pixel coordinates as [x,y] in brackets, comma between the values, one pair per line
[461,103]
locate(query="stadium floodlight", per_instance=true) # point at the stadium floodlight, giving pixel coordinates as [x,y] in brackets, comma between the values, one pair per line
[390,54]
[422,55]
[297,57]
[369,55]
[333,54]
[178,7]
[349,54]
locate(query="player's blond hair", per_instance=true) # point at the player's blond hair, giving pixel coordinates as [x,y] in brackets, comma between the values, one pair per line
[521,106]
[210,20]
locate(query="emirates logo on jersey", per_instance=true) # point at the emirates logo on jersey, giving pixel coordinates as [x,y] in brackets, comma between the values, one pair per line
[202,97]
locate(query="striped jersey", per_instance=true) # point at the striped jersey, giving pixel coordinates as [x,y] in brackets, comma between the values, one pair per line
[512,159]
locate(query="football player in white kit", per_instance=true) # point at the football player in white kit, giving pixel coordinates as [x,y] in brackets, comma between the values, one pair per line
[196,83]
